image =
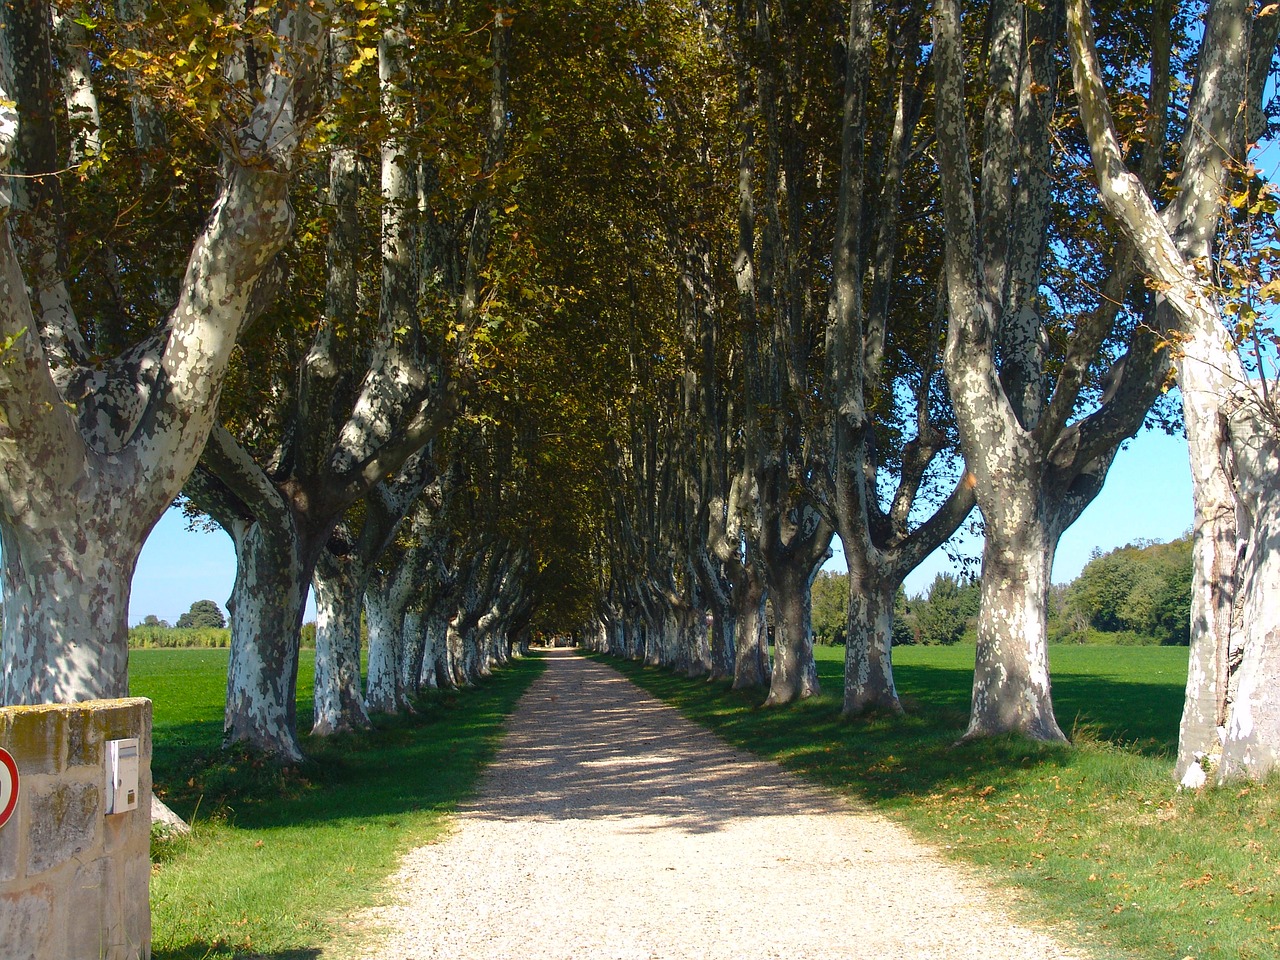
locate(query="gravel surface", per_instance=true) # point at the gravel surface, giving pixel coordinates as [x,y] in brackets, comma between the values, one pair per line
[611,827]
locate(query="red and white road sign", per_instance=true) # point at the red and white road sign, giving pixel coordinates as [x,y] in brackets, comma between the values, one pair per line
[8,785]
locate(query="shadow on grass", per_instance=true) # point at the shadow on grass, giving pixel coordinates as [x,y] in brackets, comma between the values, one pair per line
[896,759]
[1141,714]
[198,949]
[427,760]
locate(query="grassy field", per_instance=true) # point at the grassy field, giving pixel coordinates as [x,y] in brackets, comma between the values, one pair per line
[1094,834]
[277,855]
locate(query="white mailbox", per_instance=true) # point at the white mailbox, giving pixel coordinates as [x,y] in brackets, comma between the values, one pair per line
[122,775]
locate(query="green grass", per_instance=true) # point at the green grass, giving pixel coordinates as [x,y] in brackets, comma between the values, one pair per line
[1095,833]
[278,855]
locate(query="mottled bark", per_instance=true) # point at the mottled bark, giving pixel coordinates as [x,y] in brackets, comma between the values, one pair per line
[795,542]
[751,641]
[795,672]
[109,460]
[1231,719]
[339,583]
[868,659]
[77,86]
[412,674]
[266,617]
[446,671]
[44,572]
[1011,673]
[385,604]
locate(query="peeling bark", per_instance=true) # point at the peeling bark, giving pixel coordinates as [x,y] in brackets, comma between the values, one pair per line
[751,653]
[868,659]
[91,463]
[266,614]
[339,583]
[1231,719]
[1033,473]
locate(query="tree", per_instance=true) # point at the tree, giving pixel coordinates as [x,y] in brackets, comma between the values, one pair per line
[830,608]
[947,610]
[1038,431]
[1231,720]
[890,427]
[98,444]
[203,613]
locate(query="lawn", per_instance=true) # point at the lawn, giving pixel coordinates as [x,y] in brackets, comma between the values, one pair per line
[1093,835]
[277,856]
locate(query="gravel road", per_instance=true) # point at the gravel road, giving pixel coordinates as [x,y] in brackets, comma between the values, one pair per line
[611,828]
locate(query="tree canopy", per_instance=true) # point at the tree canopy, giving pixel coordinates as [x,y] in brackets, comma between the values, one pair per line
[604,318]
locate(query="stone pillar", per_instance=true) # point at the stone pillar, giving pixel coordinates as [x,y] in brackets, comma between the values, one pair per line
[75,881]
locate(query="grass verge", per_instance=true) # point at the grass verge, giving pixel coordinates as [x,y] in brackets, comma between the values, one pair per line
[1094,833]
[278,853]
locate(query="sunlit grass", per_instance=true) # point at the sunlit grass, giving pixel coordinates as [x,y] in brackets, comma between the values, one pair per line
[278,854]
[1095,833]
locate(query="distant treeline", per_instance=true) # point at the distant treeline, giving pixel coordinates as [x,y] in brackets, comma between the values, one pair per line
[1136,594]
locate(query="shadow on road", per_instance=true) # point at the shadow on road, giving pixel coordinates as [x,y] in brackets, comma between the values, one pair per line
[587,744]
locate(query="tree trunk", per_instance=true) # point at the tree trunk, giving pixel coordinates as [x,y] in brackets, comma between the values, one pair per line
[1252,742]
[384,687]
[1231,718]
[415,644]
[751,649]
[461,655]
[723,650]
[795,673]
[484,640]
[435,654]
[694,639]
[1011,673]
[868,663]
[45,576]
[339,587]
[266,608]
[625,637]
[652,630]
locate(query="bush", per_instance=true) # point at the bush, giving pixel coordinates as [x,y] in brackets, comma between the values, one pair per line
[1115,638]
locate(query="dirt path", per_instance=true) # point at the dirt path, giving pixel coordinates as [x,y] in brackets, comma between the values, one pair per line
[611,827]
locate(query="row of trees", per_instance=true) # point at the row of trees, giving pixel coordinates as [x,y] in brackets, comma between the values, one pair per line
[490,321]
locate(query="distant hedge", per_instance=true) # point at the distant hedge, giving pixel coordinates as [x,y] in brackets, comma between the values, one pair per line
[146,636]
[151,636]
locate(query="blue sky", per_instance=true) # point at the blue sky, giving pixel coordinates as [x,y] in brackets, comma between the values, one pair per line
[1147,495]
